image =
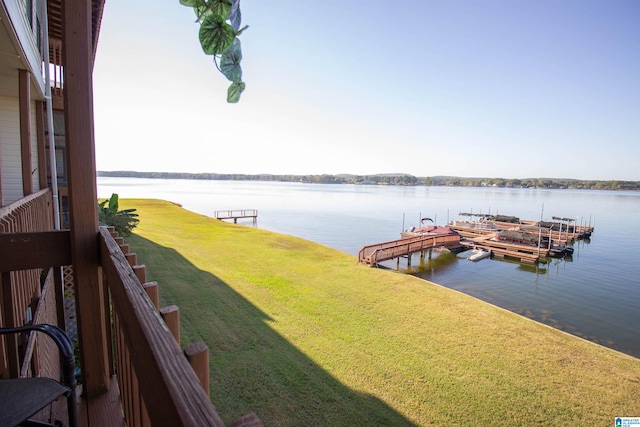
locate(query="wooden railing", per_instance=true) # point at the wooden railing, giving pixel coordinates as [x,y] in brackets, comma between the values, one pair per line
[158,385]
[374,254]
[236,213]
[156,378]
[55,68]
[31,213]
[20,287]
[41,355]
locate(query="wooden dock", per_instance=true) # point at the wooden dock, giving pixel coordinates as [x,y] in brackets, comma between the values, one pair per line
[237,214]
[478,238]
[374,254]
[524,253]
[473,237]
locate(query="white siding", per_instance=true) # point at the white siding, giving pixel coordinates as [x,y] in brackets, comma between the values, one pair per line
[10,150]
[30,55]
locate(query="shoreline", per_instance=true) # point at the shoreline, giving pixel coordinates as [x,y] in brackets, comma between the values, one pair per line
[383,267]
[278,308]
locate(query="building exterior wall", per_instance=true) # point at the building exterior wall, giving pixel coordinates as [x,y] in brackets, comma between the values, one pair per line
[12,189]
[27,31]
[10,146]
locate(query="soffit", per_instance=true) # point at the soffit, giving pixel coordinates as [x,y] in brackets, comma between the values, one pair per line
[54,9]
[10,57]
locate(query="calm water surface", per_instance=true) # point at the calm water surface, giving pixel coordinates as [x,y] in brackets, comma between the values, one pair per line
[595,294]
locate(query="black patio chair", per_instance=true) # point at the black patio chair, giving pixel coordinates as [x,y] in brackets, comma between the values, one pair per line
[21,398]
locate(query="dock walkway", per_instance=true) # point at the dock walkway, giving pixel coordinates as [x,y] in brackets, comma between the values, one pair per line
[374,254]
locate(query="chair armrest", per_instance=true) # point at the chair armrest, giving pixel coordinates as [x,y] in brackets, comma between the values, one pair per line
[65,346]
[63,342]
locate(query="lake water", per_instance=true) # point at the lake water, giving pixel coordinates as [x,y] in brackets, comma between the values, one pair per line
[595,294]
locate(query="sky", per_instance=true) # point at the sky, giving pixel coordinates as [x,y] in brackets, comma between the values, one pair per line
[469,88]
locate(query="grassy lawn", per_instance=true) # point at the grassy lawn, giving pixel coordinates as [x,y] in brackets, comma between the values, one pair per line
[302,335]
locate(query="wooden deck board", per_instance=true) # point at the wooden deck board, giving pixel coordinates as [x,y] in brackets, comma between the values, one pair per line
[524,253]
[104,410]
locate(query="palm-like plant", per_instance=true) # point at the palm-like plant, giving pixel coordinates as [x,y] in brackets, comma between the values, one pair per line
[124,221]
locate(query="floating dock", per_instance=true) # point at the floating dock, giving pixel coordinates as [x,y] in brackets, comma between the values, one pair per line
[483,235]
[476,238]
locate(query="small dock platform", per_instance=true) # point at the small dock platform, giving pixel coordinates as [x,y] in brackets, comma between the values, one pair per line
[527,254]
[475,238]
[237,214]
[374,254]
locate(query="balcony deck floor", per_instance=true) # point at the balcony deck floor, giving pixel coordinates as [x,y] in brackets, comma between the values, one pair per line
[102,411]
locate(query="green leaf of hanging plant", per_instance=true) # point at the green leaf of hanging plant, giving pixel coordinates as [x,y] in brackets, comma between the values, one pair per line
[230,62]
[222,8]
[216,36]
[234,92]
[201,11]
[241,30]
[192,3]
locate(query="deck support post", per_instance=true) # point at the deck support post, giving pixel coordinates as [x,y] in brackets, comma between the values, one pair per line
[78,104]
[41,144]
[24,83]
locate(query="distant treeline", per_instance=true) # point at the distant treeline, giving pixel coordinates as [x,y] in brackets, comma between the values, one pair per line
[392,179]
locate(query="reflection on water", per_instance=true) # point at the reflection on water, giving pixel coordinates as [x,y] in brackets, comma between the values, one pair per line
[558,293]
[431,262]
[439,262]
[540,268]
[594,294]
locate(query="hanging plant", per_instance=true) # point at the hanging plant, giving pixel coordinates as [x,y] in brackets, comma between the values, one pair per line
[220,22]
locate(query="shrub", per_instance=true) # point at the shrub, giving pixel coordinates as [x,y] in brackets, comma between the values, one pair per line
[123,221]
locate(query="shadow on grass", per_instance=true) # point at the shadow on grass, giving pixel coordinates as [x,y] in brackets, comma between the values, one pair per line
[252,367]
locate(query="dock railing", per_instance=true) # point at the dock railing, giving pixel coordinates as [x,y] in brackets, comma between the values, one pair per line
[237,214]
[374,254]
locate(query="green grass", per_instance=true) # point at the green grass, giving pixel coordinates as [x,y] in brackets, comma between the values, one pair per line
[303,335]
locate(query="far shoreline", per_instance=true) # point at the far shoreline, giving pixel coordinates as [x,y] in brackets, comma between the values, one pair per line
[395,179]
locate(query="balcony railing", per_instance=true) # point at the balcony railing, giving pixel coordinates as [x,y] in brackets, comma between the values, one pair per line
[55,67]
[20,288]
[156,382]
